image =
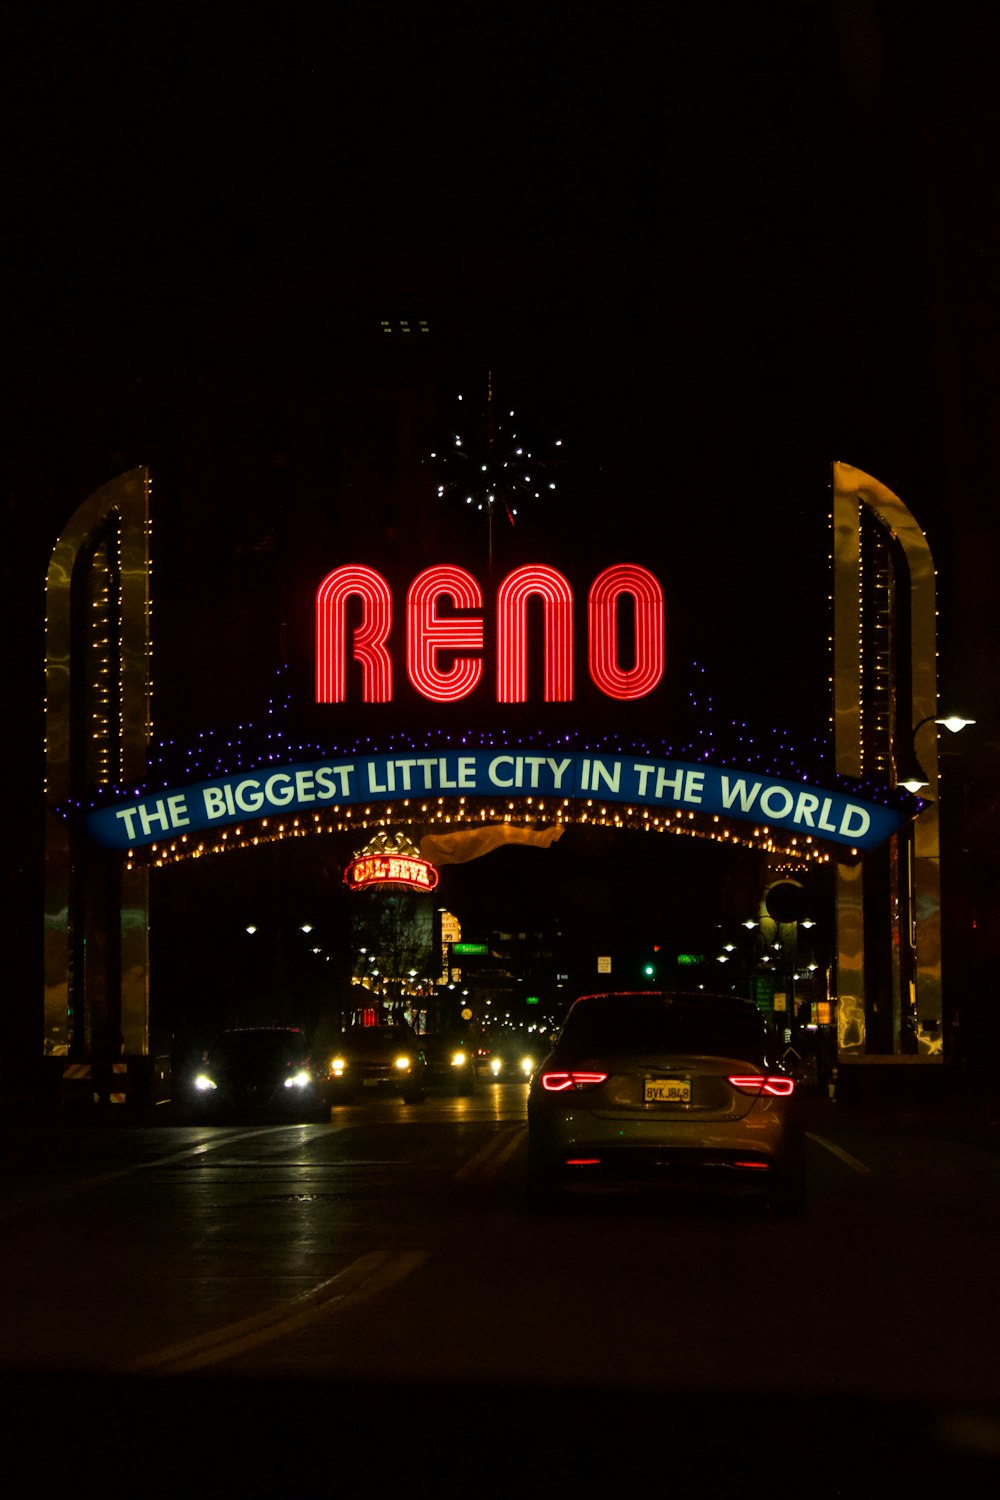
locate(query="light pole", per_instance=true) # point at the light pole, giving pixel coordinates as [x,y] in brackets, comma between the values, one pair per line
[918,1002]
[916,779]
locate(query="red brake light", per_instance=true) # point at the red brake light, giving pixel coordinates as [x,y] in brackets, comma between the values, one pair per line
[560,1083]
[759,1083]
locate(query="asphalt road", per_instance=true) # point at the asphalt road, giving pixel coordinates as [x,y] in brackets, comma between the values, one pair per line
[389,1261]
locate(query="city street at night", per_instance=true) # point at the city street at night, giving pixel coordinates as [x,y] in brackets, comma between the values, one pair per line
[501,738]
[390,1254]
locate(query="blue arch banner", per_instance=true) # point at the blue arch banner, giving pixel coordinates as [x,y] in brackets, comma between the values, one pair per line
[826,815]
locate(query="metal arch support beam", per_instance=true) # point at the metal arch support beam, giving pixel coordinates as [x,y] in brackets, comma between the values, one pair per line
[94,985]
[851,1018]
[853,489]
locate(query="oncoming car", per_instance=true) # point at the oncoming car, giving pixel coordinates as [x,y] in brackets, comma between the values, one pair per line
[665,1088]
[451,1061]
[372,1060]
[258,1071]
[511,1060]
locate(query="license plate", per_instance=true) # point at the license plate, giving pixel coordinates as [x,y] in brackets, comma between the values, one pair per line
[667,1091]
[371,1083]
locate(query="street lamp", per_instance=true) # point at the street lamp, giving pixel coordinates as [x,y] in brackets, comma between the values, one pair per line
[916,778]
[917,1012]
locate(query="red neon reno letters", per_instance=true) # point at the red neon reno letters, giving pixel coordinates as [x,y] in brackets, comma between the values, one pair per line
[460,637]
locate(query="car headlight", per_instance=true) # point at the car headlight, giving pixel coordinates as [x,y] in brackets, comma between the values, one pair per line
[495,1066]
[458,1059]
[300,1080]
[527,1066]
[402,1063]
[204,1084]
[338,1066]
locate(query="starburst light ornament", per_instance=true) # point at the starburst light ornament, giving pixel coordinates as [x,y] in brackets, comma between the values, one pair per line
[485,464]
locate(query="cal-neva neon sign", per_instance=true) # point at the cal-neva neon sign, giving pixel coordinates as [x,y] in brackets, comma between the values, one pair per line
[827,815]
[444,651]
[390,869]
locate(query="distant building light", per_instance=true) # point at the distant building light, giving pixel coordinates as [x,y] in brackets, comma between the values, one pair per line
[403,327]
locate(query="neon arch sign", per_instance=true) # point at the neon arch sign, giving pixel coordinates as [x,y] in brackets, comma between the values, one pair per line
[431,634]
[445,663]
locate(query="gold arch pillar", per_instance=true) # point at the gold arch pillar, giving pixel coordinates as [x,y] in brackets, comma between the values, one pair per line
[98,693]
[885,683]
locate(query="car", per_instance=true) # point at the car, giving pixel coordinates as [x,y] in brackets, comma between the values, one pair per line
[258,1071]
[510,1059]
[451,1061]
[380,1059]
[656,1087]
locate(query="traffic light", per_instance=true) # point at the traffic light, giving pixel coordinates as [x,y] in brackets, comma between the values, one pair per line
[651,965]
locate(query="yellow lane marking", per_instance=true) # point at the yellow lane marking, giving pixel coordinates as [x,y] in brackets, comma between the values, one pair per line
[363,1278]
[842,1155]
[492,1156]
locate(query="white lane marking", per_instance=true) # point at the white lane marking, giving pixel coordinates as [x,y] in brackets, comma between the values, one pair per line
[363,1278]
[70,1189]
[492,1155]
[838,1151]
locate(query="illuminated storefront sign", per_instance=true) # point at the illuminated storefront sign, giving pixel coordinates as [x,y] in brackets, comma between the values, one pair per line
[444,660]
[826,815]
[393,869]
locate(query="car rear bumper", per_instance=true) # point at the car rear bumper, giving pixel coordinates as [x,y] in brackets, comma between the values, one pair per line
[581,1143]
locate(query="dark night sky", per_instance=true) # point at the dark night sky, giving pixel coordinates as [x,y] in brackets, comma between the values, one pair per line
[715,246]
[726,244]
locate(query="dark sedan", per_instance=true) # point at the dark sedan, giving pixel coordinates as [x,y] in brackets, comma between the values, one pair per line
[451,1061]
[258,1071]
[511,1059]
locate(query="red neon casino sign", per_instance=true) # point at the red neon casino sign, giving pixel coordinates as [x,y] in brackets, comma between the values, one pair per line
[433,633]
[390,869]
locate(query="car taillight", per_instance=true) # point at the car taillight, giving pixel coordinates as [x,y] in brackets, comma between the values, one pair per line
[759,1083]
[560,1083]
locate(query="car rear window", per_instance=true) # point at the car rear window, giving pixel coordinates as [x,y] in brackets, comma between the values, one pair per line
[619,1024]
